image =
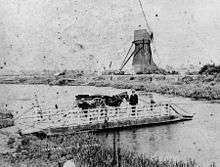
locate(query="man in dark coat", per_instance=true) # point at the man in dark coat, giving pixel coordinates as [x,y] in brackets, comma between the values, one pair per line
[133,101]
[84,106]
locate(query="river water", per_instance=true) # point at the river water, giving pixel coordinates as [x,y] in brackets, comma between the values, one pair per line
[198,139]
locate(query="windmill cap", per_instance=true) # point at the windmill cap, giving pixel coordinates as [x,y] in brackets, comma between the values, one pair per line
[141,34]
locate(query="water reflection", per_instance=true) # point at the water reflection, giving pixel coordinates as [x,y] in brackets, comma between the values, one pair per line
[134,140]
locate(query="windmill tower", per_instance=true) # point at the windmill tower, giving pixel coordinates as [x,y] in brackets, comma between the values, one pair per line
[142,54]
[142,60]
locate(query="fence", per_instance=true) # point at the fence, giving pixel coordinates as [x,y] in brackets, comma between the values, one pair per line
[77,117]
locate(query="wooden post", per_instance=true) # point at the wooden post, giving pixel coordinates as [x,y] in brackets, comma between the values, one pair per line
[118,114]
[118,149]
[78,116]
[106,114]
[114,162]
[167,108]
[99,114]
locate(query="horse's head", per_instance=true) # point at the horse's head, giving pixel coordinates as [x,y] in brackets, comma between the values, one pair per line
[124,95]
[116,100]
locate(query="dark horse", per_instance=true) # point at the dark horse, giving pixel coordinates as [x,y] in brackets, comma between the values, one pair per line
[100,100]
[116,100]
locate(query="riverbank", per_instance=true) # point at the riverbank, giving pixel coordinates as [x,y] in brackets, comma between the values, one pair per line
[204,87]
[197,87]
[84,149]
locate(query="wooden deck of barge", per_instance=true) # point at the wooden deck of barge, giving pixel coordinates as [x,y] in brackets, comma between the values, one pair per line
[99,119]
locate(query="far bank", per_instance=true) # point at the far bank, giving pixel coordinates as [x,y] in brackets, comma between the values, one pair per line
[203,87]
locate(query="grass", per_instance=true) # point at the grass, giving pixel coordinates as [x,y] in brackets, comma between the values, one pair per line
[5,117]
[198,91]
[85,149]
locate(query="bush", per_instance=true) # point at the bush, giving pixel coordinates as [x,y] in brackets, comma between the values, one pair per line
[209,69]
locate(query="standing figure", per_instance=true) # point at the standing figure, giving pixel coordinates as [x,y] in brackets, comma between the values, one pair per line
[84,106]
[133,101]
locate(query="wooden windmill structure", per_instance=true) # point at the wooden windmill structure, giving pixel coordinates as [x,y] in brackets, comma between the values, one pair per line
[142,54]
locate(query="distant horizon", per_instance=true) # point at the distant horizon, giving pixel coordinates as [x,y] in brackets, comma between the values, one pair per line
[190,68]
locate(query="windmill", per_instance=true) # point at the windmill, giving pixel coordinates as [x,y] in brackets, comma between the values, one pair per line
[142,54]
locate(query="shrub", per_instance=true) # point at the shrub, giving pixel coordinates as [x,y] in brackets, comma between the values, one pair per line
[86,149]
[209,69]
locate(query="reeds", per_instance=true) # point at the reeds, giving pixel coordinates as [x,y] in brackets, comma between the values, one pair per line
[194,90]
[85,149]
[6,117]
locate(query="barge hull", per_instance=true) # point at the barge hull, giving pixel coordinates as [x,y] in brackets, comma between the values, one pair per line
[127,124]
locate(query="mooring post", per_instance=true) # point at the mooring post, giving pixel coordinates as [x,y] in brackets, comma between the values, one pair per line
[118,149]
[114,162]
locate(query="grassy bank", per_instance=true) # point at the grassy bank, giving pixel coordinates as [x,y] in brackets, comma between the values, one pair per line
[194,90]
[85,149]
[205,87]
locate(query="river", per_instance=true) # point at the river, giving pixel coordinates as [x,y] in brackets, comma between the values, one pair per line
[198,139]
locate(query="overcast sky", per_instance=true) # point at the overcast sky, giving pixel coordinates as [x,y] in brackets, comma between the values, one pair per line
[71,34]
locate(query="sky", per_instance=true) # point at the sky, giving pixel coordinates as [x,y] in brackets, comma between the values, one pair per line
[89,34]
